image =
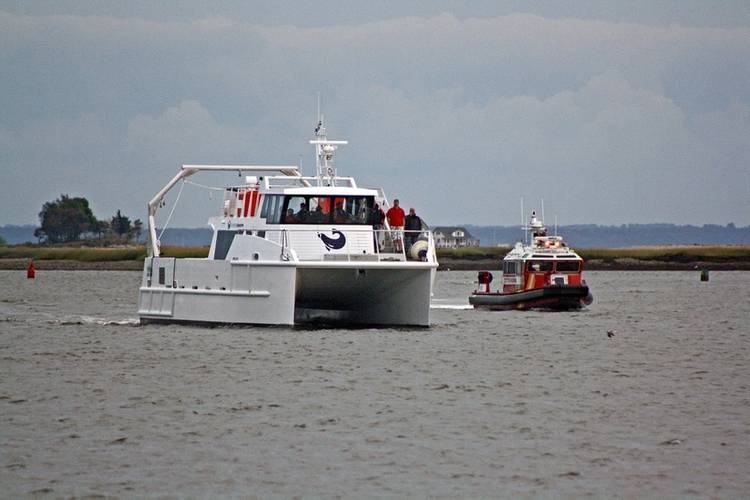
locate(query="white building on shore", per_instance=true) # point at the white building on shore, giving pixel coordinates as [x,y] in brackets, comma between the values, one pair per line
[453,237]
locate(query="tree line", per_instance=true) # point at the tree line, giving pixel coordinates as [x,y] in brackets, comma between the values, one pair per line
[68,219]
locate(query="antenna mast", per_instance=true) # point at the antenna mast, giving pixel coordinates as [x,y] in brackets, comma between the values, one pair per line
[324,152]
[318,115]
[523,221]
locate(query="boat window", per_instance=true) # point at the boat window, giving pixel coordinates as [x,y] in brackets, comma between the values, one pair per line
[568,266]
[271,209]
[539,266]
[352,210]
[327,210]
[224,240]
[320,210]
[510,267]
[264,207]
[296,210]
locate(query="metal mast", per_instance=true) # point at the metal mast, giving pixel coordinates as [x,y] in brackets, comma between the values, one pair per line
[324,152]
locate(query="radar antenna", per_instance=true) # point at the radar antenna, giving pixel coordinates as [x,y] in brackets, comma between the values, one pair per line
[535,228]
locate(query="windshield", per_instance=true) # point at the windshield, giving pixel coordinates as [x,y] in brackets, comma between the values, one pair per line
[310,209]
[570,266]
[539,266]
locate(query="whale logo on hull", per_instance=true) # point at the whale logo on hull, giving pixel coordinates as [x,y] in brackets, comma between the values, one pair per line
[333,243]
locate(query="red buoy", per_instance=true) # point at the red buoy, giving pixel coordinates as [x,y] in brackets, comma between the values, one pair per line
[31,272]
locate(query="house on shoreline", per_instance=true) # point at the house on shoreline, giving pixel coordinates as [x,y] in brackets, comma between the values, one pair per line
[453,237]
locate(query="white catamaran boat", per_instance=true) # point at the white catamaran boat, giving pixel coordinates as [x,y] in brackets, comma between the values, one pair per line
[290,249]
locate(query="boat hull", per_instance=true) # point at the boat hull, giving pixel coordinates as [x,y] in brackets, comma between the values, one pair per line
[552,297]
[218,292]
[364,296]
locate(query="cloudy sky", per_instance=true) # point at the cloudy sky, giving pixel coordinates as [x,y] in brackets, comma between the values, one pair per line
[612,111]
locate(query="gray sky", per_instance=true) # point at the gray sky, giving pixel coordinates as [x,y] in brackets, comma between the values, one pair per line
[613,112]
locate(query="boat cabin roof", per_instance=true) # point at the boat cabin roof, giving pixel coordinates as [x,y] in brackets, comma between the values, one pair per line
[271,182]
[549,256]
[329,191]
[309,190]
[542,252]
[304,186]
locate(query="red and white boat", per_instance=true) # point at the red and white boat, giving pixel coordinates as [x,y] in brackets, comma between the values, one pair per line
[542,274]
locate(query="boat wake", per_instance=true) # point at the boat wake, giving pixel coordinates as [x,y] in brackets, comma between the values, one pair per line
[91,320]
[457,307]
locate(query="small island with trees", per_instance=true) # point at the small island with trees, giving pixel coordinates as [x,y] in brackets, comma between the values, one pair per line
[70,219]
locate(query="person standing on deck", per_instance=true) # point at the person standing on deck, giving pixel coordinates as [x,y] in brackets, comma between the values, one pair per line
[378,218]
[413,224]
[395,216]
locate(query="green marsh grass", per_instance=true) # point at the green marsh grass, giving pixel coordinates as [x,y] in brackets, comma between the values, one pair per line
[472,253]
[665,253]
[88,254]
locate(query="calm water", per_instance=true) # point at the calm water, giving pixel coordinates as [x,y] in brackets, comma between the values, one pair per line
[481,404]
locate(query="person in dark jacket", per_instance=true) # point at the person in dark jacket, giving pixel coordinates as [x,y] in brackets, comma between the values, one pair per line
[303,212]
[412,224]
[377,219]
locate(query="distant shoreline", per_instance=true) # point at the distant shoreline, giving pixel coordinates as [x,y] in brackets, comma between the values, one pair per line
[445,265]
[641,258]
[653,258]
[624,264]
[71,265]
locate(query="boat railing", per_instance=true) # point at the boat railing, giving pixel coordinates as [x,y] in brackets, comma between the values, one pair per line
[384,205]
[284,245]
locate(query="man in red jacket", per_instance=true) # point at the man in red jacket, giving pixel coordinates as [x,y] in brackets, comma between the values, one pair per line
[395,216]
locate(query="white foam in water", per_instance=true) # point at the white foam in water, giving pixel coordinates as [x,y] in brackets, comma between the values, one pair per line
[90,320]
[460,307]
